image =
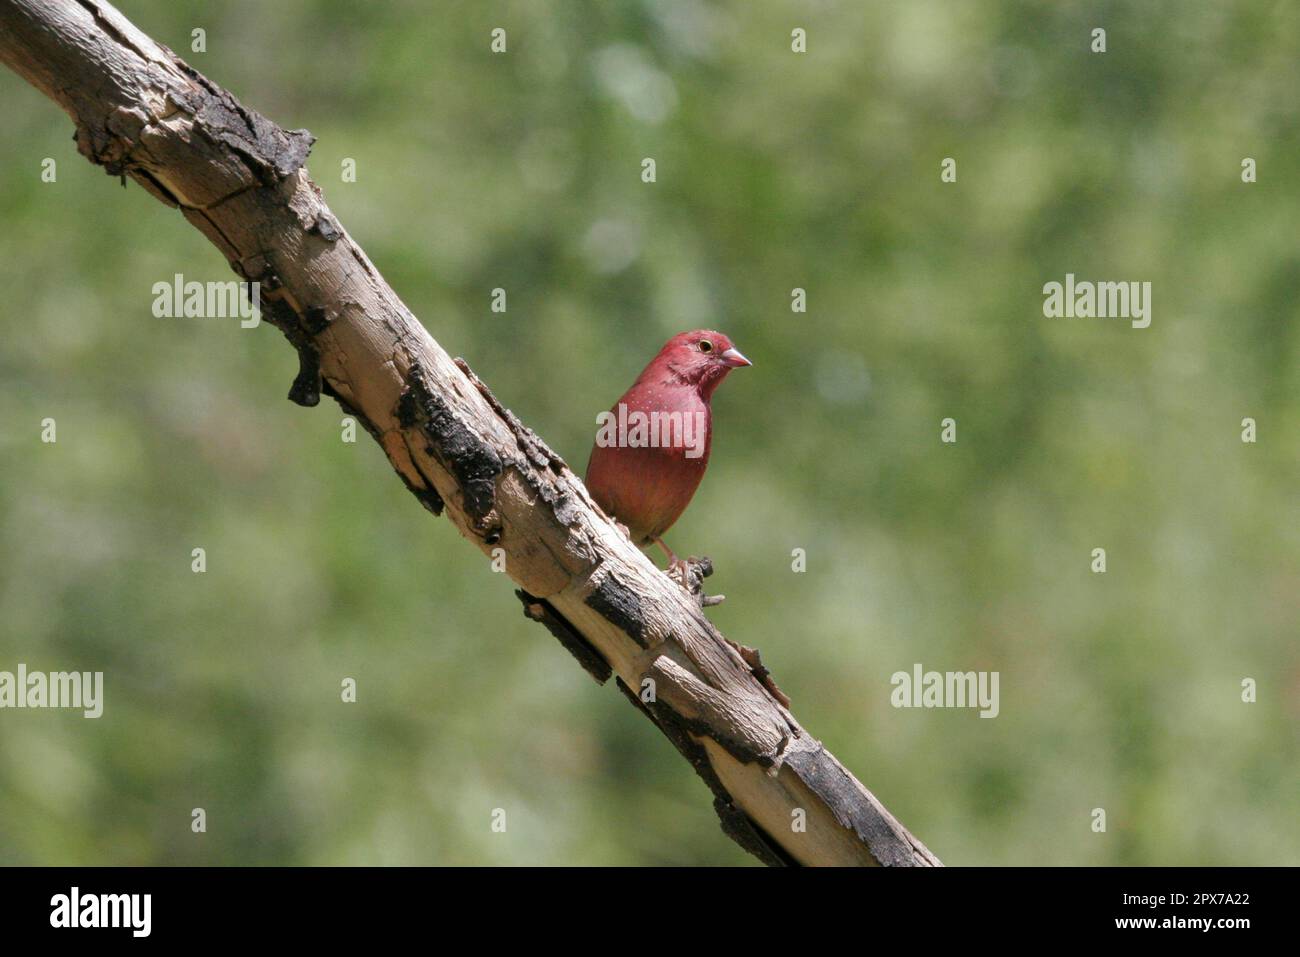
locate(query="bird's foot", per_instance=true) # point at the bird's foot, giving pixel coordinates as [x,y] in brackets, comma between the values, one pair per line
[690,574]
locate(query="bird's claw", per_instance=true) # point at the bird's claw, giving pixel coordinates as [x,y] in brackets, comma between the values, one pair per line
[690,574]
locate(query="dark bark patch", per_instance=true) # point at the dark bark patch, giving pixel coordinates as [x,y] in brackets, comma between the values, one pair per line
[822,775]
[305,390]
[538,454]
[742,829]
[620,606]
[530,444]
[426,496]
[473,462]
[314,320]
[270,153]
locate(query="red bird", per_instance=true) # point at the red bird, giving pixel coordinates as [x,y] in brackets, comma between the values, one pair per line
[653,446]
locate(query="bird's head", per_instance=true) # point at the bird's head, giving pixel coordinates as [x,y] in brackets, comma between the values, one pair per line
[701,358]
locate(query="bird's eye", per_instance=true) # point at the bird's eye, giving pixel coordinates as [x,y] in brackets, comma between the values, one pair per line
[706,345]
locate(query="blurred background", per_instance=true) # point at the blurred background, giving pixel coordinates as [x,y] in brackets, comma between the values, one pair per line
[774,171]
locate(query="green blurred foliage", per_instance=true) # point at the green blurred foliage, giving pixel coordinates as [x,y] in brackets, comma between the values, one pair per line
[775,171]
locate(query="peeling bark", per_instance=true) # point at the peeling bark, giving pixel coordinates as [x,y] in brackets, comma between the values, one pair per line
[143,113]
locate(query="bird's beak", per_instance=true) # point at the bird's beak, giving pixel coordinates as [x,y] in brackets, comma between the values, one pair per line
[734,359]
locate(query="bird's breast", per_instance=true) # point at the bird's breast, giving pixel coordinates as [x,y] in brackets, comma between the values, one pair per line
[650,455]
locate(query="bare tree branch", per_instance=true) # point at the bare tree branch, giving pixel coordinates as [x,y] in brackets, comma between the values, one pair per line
[142,112]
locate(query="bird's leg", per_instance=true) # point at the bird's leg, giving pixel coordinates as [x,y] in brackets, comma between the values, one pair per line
[676,566]
[672,559]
